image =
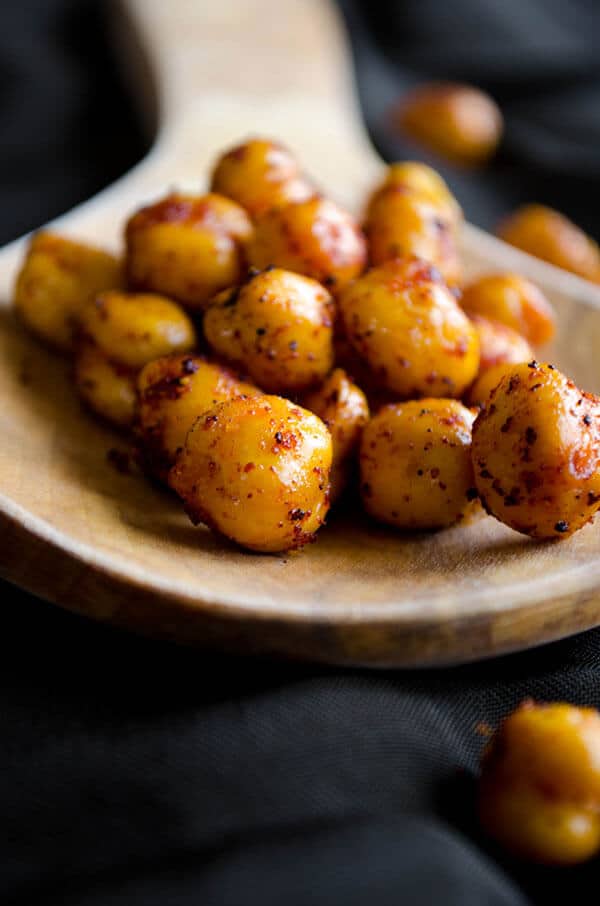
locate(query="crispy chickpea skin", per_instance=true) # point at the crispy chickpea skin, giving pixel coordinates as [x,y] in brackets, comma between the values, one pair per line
[514,301]
[278,327]
[173,391]
[343,407]
[405,323]
[106,387]
[187,247]
[260,174]
[415,464]
[487,380]
[313,237]
[549,235]
[134,328]
[457,122]
[536,452]
[539,793]
[401,223]
[56,279]
[426,183]
[257,471]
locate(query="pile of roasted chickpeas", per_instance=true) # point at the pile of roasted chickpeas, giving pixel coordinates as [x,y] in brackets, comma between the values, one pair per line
[268,353]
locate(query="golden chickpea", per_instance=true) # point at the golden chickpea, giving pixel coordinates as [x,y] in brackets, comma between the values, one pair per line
[260,174]
[106,387]
[173,392]
[415,464]
[401,224]
[313,237]
[188,247]
[417,178]
[278,327]
[134,328]
[457,122]
[257,471]
[499,343]
[56,279]
[514,301]
[405,323]
[549,235]
[536,452]
[486,381]
[539,792]
[343,407]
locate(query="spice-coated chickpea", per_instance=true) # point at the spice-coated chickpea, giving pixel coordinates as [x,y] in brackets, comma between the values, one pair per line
[343,407]
[400,223]
[486,381]
[536,452]
[549,235]
[134,328]
[187,247]
[499,343]
[257,471]
[105,386]
[260,174]
[278,328]
[405,323]
[313,237]
[539,793]
[173,391]
[457,122]
[415,464]
[423,181]
[514,301]
[56,280]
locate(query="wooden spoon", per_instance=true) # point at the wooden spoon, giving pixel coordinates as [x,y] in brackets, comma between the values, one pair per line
[109,545]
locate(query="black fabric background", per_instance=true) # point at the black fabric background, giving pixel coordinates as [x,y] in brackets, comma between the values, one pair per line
[136,772]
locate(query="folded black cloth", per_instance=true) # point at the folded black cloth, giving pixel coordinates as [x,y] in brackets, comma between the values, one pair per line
[136,772]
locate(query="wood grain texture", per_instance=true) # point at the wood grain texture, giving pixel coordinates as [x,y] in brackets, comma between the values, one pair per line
[111,546]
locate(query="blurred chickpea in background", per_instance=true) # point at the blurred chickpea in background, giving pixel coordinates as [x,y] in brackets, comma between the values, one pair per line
[551,236]
[456,122]
[514,301]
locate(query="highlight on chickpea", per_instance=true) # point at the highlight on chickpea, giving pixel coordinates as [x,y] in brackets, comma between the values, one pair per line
[270,355]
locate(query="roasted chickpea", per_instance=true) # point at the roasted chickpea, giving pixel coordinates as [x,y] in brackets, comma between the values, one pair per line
[405,323]
[173,392]
[549,235]
[134,328]
[260,174]
[278,327]
[539,793]
[499,343]
[313,237]
[415,464]
[457,122]
[486,381]
[417,178]
[536,452]
[401,223]
[105,386]
[188,247]
[514,301]
[257,471]
[344,409]
[56,279]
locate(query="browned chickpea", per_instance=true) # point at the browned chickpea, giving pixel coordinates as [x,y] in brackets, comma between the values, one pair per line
[173,392]
[344,409]
[257,471]
[260,174]
[405,323]
[457,122]
[499,343]
[278,327]
[314,237]
[539,793]
[415,464]
[417,178]
[106,387]
[401,223]
[514,301]
[56,280]
[486,381]
[134,328]
[546,234]
[536,452]
[188,247]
